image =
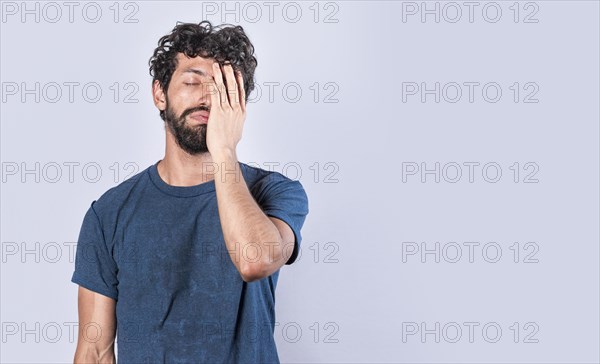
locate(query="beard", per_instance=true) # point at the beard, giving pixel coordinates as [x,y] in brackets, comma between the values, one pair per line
[192,139]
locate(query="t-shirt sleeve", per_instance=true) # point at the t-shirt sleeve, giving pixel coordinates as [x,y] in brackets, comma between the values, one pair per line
[95,267]
[286,200]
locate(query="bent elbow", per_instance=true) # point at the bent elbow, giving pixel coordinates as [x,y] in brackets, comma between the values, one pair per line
[251,272]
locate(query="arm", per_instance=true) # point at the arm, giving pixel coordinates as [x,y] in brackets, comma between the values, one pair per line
[257,244]
[97,328]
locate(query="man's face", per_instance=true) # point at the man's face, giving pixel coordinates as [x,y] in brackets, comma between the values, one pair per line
[188,103]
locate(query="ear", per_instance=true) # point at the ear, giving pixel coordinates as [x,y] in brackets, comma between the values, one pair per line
[158,96]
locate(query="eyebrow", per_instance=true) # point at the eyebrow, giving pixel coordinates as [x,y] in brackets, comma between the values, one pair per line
[196,71]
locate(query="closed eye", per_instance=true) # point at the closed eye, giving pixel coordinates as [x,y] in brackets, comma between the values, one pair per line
[191,84]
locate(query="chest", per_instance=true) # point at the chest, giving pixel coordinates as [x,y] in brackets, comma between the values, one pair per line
[173,245]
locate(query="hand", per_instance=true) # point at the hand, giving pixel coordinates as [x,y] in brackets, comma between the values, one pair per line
[227,111]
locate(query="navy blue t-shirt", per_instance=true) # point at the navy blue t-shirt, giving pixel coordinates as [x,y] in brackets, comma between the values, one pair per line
[158,251]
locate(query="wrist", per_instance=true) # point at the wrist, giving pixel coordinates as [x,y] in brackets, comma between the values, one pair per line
[224,155]
[227,166]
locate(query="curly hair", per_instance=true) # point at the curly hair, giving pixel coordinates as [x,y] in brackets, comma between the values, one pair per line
[225,44]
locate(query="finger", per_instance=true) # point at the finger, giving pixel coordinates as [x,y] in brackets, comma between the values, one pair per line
[221,90]
[213,91]
[232,88]
[240,81]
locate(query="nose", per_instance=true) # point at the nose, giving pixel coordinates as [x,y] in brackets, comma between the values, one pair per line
[203,100]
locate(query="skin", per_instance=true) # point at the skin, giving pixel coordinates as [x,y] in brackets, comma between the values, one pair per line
[245,227]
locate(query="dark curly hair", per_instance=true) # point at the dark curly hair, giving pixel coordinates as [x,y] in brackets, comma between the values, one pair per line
[225,44]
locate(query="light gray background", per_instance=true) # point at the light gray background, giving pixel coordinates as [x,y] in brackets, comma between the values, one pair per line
[358,290]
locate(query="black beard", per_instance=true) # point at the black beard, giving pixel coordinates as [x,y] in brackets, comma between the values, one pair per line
[190,139]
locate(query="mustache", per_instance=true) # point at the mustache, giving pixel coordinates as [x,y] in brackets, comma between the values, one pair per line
[194,109]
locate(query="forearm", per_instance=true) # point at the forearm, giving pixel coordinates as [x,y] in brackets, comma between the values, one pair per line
[97,328]
[253,241]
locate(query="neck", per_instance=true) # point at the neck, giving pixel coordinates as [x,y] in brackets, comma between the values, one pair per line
[178,168]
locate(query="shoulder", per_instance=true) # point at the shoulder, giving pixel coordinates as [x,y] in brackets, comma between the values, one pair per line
[264,183]
[259,178]
[114,198]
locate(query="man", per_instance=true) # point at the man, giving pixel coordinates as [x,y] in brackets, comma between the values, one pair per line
[182,259]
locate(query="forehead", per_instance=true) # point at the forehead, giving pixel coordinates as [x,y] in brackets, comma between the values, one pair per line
[185,64]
